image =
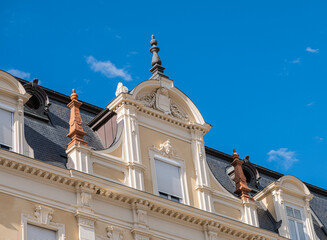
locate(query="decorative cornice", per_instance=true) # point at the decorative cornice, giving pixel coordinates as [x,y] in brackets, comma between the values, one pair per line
[164,117]
[124,194]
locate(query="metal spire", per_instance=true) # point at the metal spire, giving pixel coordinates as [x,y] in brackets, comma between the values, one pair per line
[156,69]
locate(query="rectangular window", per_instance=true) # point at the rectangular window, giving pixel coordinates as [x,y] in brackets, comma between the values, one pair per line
[39,233]
[6,132]
[168,181]
[295,223]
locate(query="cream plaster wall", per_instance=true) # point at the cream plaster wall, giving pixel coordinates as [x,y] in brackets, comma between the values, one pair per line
[108,172]
[227,210]
[11,209]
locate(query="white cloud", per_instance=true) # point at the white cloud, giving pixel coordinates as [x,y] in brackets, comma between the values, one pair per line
[283,157]
[319,139]
[20,74]
[108,69]
[298,60]
[309,49]
[310,104]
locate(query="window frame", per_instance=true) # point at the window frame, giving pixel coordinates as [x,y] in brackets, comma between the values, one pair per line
[28,219]
[12,111]
[154,155]
[303,220]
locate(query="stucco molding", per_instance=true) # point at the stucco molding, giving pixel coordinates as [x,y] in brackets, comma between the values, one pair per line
[43,214]
[42,218]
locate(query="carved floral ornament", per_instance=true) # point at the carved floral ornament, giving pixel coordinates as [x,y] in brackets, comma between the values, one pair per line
[161,101]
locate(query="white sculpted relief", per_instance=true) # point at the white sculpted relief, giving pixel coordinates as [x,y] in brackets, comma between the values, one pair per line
[166,149]
[161,101]
[43,214]
[115,233]
[121,89]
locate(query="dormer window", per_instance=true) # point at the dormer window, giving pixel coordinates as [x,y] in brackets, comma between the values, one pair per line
[169,181]
[296,224]
[6,129]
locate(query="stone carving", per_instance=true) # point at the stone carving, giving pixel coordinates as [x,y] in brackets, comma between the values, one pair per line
[161,101]
[115,233]
[148,99]
[85,198]
[43,214]
[178,113]
[212,235]
[166,147]
[121,89]
[142,216]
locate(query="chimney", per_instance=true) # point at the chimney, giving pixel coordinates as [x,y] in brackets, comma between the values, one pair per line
[241,187]
[76,132]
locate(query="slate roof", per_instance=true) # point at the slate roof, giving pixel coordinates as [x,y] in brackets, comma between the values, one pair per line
[48,140]
[219,161]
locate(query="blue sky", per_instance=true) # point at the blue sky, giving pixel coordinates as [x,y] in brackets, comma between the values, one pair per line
[255,69]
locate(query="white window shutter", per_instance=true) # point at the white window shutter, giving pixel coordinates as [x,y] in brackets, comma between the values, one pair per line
[5,128]
[39,233]
[168,179]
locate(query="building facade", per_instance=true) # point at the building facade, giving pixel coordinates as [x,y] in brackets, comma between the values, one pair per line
[137,169]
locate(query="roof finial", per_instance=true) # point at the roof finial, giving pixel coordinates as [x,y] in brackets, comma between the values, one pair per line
[235,154]
[156,69]
[74,95]
[154,50]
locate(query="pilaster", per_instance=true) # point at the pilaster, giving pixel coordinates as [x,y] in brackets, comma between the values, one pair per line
[79,158]
[84,213]
[250,215]
[201,170]
[131,146]
[140,229]
[280,212]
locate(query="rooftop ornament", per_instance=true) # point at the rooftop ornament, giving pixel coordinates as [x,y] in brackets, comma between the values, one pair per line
[76,132]
[241,186]
[157,70]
